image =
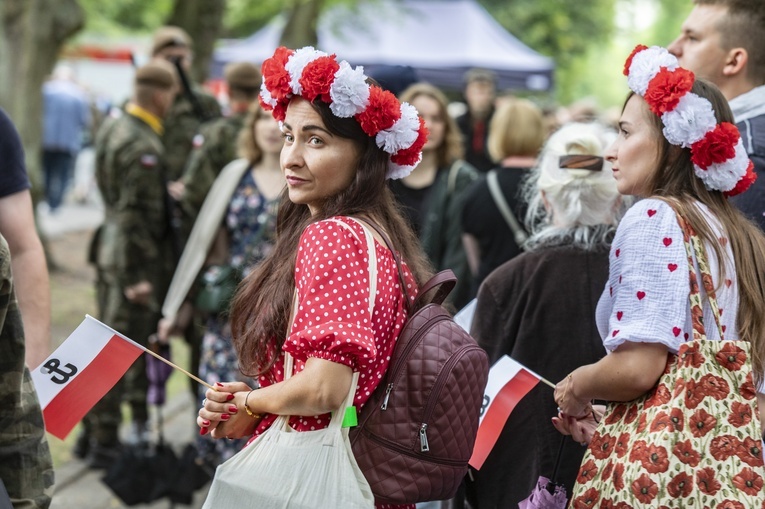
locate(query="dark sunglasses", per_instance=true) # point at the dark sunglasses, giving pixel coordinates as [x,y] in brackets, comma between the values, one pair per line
[581,162]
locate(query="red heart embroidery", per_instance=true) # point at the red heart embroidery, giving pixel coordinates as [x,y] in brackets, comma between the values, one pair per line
[619,315]
[617,252]
[672,267]
[614,333]
[651,212]
[667,241]
[676,331]
[728,282]
[640,295]
[685,335]
[721,310]
[723,241]
[723,328]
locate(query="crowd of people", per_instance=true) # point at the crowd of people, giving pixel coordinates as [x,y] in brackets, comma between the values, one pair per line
[257,231]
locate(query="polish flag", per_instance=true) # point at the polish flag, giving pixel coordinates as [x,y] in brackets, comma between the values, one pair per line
[508,383]
[80,372]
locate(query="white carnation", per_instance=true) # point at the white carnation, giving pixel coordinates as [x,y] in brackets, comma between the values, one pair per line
[349,91]
[396,171]
[646,65]
[724,176]
[266,96]
[692,118]
[402,133]
[297,62]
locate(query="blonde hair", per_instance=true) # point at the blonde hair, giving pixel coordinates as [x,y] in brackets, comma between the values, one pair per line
[451,149]
[516,129]
[584,205]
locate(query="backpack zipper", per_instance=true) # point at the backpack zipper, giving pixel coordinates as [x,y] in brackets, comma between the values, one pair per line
[413,454]
[401,360]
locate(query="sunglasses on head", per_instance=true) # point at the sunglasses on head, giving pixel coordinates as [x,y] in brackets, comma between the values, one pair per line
[581,162]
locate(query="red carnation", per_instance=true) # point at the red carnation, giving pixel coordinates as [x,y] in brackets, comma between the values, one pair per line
[628,63]
[317,77]
[264,104]
[667,88]
[275,76]
[743,184]
[717,146]
[280,110]
[411,156]
[381,113]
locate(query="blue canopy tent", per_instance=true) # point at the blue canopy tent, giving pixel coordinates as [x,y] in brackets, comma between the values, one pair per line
[439,39]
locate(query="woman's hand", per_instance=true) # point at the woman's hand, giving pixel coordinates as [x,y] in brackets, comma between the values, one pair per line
[581,429]
[567,401]
[223,413]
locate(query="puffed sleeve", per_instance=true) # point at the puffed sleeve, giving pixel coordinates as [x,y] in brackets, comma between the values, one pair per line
[648,279]
[332,277]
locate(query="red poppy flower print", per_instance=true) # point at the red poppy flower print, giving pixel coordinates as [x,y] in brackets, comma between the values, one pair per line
[740,414]
[587,472]
[621,445]
[603,446]
[697,316]
[714,386]
[679,388]
[660,422]
[618,477]
[632,412]
[639,451]
[731,357]
[686,453]
[750,452]
[681,485]
[748,481]
[730,504]
[747,389]
[608,504]
[644,489]
[690,355]
[701,423]
[617,414]
[656,460]
[660,396]
[607,471]
[724,446]
[642,423]
[676,418]
[586,500]
[706,481]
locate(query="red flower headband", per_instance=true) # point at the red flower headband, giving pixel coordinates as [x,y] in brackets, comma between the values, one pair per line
[315,75]
[717,152]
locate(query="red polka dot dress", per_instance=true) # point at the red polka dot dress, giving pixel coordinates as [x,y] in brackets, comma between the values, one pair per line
[333,321]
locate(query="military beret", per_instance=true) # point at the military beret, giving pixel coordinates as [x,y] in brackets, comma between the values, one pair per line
[169,36]
[242,75]
[157,73]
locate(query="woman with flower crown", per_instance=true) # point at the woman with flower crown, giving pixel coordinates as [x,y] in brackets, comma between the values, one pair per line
[673,345]
[310,297]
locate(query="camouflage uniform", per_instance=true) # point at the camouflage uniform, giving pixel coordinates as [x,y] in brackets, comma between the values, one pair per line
[214,148]
[133,246]
[26,468]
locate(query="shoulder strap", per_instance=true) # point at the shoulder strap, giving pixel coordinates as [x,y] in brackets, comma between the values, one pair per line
[454,171]
[519,234]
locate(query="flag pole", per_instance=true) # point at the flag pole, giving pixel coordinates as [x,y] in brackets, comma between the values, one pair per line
[199,380]
[546,381]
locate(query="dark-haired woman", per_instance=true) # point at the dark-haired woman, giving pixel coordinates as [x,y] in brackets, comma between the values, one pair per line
[342,139]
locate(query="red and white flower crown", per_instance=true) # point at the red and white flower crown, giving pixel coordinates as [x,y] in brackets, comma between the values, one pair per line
[312,74]
[717,152]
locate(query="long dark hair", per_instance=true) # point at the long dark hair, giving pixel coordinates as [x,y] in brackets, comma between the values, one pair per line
[261,307]
[674,181]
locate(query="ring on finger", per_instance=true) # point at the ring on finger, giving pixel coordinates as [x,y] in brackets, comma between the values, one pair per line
[204,402]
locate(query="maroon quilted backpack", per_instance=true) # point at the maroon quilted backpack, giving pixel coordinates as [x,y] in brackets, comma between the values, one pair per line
[417,430]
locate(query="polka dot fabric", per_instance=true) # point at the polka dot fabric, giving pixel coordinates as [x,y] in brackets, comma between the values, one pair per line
[646,297]
[332,321]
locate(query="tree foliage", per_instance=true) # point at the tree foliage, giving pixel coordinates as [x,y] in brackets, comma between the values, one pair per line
[125,16]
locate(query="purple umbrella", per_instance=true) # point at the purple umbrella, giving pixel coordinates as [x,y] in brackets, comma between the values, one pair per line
[547,494]
[157,372]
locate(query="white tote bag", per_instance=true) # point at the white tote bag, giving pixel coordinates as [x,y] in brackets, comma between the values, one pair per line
[284,468]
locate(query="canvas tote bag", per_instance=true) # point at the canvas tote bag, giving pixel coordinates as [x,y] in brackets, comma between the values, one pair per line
[695,439]
[286,469]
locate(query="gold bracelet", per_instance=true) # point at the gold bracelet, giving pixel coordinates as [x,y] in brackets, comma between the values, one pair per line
[247,408]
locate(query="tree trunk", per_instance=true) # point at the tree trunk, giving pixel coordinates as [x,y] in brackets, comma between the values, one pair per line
[203,20]
[302,19]
[31,35]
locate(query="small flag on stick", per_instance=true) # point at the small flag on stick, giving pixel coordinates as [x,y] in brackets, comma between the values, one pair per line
[508,383]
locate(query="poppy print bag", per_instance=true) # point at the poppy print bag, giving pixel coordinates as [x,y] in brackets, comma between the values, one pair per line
[694,440]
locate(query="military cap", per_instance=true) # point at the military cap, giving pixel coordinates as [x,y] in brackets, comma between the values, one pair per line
[242,75]
[157,73]
[169,36]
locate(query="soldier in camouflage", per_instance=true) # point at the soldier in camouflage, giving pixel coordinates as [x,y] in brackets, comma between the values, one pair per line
[215,144]
[26,469]
[133,252]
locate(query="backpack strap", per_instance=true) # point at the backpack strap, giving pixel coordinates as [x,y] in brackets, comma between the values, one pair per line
[396,257]
[519,234]
[445,281]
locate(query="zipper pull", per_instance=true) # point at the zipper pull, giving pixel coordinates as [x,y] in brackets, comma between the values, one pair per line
[424,447]
[387,395]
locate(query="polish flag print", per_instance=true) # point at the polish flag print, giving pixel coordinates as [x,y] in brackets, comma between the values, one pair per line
[80,372]
[508,383]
